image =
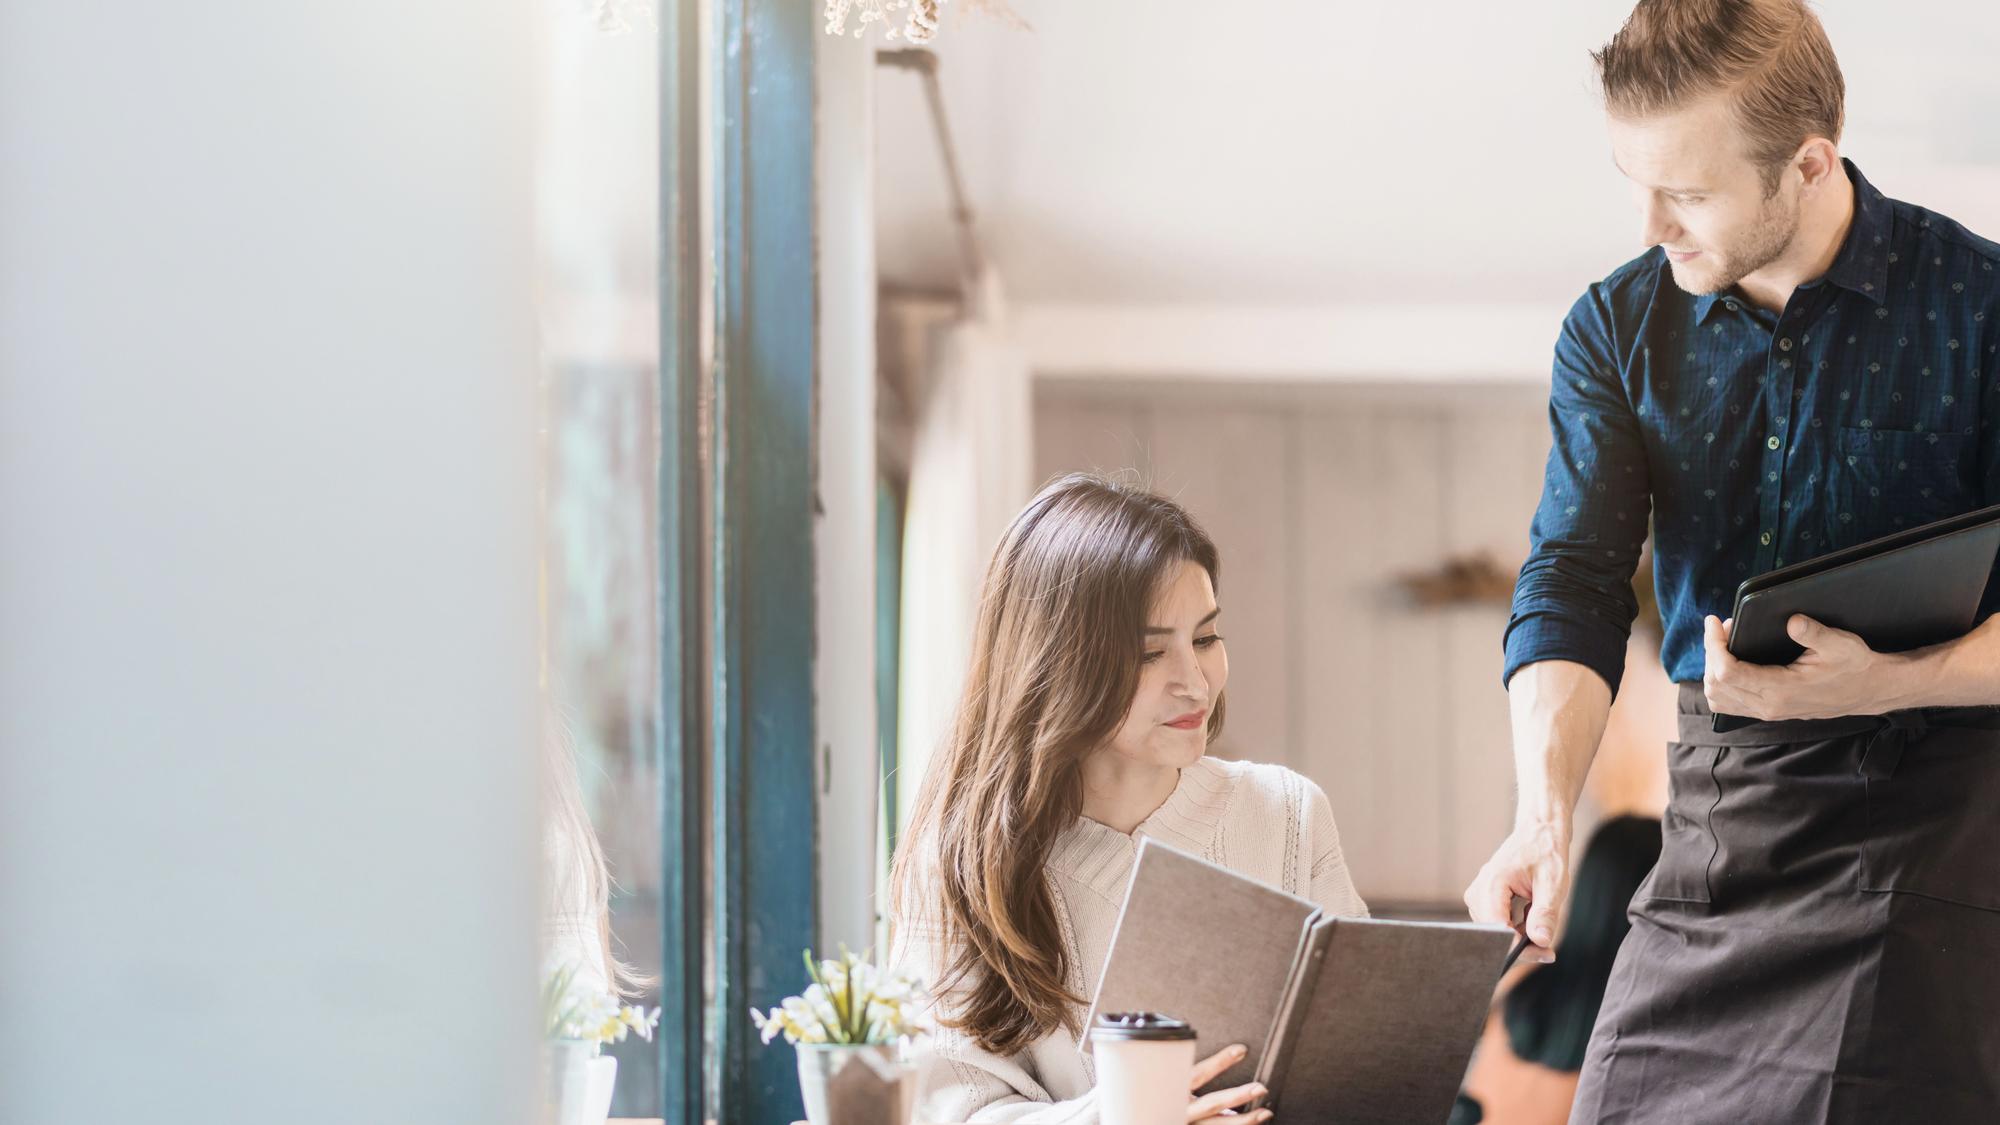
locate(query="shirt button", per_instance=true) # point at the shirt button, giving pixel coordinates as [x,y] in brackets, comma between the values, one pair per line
[1765,539]
[1772,442]
[1731,302]
[1785,344]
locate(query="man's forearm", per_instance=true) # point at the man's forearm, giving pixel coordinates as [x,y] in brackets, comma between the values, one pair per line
[1960,673]
[1559,710]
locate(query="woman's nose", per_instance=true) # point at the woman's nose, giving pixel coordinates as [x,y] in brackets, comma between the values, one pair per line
[1187,678]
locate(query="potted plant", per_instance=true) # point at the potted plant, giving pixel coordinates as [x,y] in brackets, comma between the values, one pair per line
[847,1028]
[578,1019]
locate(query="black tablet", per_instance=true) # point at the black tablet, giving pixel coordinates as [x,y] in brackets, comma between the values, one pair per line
[1903,591]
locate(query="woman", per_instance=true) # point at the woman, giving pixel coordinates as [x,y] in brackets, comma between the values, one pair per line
[1093,692]
[1526,1069]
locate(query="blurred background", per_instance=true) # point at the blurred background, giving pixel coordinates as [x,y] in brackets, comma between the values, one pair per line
[386,395]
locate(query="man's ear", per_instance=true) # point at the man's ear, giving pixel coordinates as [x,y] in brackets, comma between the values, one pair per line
[1818,162]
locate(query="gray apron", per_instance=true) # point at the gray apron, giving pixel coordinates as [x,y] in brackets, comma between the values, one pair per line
[1820,941]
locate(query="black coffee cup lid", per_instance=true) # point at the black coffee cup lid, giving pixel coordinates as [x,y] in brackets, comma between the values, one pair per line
[1140,1025]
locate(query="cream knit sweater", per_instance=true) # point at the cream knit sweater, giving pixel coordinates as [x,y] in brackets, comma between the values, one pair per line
[1263,821]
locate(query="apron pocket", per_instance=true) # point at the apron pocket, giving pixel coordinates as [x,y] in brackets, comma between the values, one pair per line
[1933,827]
[1687,842]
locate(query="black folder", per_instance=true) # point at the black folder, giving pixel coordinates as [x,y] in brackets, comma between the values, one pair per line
[1903,591]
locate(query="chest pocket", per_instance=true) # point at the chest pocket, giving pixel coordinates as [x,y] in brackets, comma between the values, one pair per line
[1893,479]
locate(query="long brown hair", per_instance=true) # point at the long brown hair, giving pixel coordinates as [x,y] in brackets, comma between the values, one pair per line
[1055,664]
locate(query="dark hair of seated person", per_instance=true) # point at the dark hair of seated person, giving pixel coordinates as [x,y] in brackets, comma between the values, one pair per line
[1550,1012]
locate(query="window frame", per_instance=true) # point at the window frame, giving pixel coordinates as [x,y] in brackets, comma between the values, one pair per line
[736,493]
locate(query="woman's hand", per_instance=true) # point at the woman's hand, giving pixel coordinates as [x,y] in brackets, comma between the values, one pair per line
[1219,1108]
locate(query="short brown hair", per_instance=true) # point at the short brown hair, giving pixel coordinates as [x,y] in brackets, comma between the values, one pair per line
[1771,57]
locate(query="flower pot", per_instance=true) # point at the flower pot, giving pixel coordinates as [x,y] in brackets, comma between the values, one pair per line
[855,1085]
[579,1083]
[597,1091]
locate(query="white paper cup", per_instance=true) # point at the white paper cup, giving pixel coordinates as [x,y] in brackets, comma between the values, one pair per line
[1144,1060]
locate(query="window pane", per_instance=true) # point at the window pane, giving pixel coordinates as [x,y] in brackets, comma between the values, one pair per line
[598,205]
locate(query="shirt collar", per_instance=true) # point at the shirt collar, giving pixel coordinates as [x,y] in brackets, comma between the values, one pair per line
[1862,265]
[1708,301]
[1863,262]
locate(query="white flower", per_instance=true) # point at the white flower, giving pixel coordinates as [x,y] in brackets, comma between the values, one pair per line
[849,1001]
[574,1010]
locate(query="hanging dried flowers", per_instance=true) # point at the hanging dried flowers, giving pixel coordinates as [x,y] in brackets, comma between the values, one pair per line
[919,24]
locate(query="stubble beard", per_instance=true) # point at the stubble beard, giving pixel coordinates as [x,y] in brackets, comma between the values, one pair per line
[1763,244]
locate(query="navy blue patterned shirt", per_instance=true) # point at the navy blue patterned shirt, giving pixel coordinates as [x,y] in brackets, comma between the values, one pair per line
[1748,441]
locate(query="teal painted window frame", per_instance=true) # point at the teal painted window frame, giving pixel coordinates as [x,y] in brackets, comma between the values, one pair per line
[736,502]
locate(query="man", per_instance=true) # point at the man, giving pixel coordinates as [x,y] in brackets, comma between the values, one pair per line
[1796,364]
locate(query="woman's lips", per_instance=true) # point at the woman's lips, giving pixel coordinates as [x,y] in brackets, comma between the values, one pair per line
[1189,721]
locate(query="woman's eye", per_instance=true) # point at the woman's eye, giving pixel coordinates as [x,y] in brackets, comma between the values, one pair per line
[1150,657]
[1208,641]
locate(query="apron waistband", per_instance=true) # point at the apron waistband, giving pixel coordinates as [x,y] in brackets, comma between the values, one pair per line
[1888,735]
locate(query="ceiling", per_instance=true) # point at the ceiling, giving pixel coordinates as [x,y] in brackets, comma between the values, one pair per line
[1310,153]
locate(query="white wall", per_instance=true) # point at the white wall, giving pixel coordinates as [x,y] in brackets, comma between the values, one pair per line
[1504,343]
[267,667]
[844,532]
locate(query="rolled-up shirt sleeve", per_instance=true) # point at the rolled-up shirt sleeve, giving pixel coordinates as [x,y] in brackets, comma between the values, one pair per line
[1574,598]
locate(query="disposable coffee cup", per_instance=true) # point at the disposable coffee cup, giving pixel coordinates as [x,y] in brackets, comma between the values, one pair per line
[1144,1061]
